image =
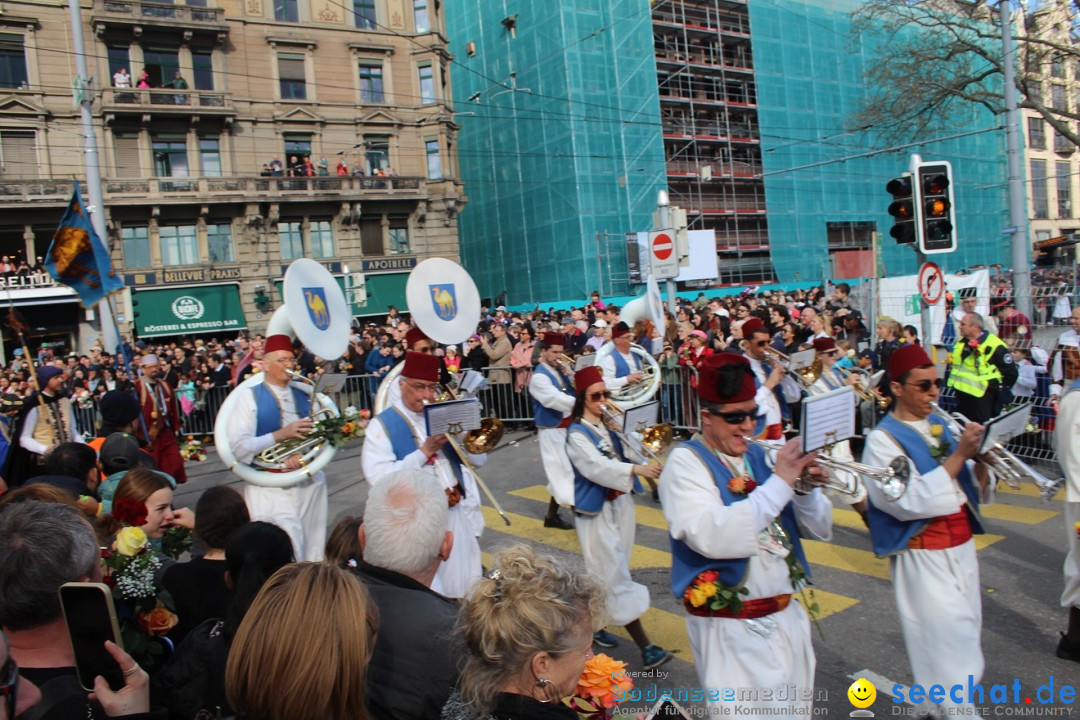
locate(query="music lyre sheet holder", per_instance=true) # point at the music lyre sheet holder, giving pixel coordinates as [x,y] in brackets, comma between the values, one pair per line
[827,418]
[802,359]
[330,383]
[453,417]
[1005,427]
[639,418]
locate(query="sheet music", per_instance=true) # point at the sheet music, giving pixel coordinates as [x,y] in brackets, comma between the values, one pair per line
[827,418]
[875,379]
[802,359]
[584,361]
[639,418]
[471,381]
[1005,427]
[452,417]
[329,383]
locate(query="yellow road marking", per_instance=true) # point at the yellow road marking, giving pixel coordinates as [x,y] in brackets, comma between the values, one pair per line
[850,519]
[1027,489]
[1017,514]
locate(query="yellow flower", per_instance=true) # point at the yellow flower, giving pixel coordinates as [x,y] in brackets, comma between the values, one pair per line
[708,589]
[936,430]
[1077,528]
[698,596]
[129,541]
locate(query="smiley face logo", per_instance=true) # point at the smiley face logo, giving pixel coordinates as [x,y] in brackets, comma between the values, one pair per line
[862,693]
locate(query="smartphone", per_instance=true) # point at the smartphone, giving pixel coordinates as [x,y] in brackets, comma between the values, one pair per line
[91,620]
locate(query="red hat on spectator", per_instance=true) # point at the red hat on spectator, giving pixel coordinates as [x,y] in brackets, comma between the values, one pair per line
[277,342]
[586,377]
[726,377]
[823,344]
[414,336]
[553,338]
[906,359]
[421,366]
[619,330]
[752,326]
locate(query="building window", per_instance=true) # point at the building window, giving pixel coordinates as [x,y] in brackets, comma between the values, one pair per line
[118,58]
[434,159]
[291,74]
[1057,98]
[170,156]
[1035,92]
[202,67]
[18,154]
[1036,133]
[1057,66]
[321,239]
[1062,144]
[427,85]
[136,241]
[399,238]
[376,152]
[1039,203]
[364,14]
[161,65]
[219,243]
[287,10]
[298,144]
[371,83]
[1064,189]
[127,154]
[12,62]
[420,16]
[291,237]
[179,245]
[371,237]
[210,157]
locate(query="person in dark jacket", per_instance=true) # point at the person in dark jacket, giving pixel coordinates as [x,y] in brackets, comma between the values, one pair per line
[72,467]
[405,538]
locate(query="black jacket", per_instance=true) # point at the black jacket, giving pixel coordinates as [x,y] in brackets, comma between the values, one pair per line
[414,665]
[195,679]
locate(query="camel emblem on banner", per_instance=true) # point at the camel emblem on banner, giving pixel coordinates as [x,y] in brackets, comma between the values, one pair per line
[315,299]
[444,301]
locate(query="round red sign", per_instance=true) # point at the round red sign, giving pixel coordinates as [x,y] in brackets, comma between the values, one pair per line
[662,246]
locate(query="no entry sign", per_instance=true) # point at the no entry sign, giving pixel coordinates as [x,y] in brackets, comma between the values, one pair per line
[662,261]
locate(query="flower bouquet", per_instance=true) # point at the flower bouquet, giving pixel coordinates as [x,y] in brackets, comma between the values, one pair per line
[193,449]
[603,684]
[84,400]
[339,429]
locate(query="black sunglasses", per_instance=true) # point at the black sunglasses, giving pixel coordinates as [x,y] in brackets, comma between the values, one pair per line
[602,395]
[924,385]
[9,685]
[735,418]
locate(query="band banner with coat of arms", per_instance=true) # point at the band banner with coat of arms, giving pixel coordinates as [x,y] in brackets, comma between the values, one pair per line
[78,258]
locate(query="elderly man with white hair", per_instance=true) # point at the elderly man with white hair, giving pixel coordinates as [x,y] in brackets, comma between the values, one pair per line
[406,537]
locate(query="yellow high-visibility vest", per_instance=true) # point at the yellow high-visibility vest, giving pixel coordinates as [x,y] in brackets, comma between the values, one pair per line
[972,374]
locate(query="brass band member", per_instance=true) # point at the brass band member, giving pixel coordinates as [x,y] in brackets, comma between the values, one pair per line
[46,421]
[552,394]
[1068,453]
[736,522]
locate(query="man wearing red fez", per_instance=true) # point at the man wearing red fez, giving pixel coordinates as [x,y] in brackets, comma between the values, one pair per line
[399,441]
[273,411]
[603,482]
[552,393]
[927,532]
[773,393]
[736,523]
[620,366]
[161,417]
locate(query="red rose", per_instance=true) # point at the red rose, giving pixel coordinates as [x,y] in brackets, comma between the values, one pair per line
[709,576]
[750,485]
[129,512]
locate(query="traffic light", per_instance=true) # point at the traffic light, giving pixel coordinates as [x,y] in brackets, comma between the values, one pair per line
[938,216]
[905,210]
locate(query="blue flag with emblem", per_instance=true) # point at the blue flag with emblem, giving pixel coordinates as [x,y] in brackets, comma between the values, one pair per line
[78,258]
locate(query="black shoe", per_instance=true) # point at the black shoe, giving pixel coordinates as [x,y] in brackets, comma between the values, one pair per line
[1068,650]
[557,522]
[656,496]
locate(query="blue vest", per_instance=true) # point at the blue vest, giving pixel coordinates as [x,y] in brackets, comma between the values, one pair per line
[831,379]
[545,417]
[622,368]
[1074,386]
[687,564]
[268,412]
[891,536]
[403,442]
[589,497]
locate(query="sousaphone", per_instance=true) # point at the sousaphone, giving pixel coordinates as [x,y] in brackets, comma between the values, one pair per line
[649,306]
[315,311]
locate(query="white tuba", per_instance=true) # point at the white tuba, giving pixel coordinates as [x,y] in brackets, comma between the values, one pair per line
[315,311]
[647,307]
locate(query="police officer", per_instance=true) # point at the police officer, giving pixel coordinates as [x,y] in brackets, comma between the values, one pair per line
[982,370]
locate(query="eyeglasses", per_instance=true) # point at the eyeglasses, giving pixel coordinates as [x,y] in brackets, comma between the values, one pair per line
[760,343]
[924,385]
[423,349]
[735,418]
[424,387]
[601,395]
[9,685]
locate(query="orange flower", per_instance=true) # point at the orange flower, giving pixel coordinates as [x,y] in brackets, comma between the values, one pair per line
[604,681]
[347,428]
[709,576]
[737,485]
[158,621]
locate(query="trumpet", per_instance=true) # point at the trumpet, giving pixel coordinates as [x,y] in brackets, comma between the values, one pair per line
[565,364]
[861,390]
[1014,471]
[891,480]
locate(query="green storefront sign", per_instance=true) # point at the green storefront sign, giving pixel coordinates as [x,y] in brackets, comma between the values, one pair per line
[188,310]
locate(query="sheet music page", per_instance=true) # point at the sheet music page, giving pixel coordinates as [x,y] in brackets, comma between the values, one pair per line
[802,359]
[1005,427]
[639,418]
[584,361]
[471,381]
[330,382]
[827,418]
[452,417]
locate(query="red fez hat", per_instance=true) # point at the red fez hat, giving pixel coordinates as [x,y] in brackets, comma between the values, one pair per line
[726,378]
[553,338]
[905,359]
[824,344]
[414,336]
[421,366]
[752,326]
[277,342]
[620,329]
[587,376]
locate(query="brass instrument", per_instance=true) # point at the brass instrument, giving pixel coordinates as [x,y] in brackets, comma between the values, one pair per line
[891,480]
[307,446]
[1014,471]
[654,440]
[565,364]
[862,390]
[805,376]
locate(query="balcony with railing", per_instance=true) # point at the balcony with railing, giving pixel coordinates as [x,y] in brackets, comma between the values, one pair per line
[719,170]
[132,14]
[141,101]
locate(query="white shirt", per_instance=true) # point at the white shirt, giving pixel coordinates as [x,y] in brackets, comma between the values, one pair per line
[245,444]
[611,473]
[1069,338]
[1067,441]
[607,367]
[548,394]
[26,437]
[764,397]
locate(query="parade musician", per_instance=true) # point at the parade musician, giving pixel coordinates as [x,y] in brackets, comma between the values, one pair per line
[1067,436]
[552,395]
[621,367]
[161,418]
[47,420]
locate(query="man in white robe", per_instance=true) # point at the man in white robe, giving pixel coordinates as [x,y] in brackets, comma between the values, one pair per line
[552,396]
[621,367]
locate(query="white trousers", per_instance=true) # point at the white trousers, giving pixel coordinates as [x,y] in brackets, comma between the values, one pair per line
[1070,598]
[606,541]
[299,511]
[557,468]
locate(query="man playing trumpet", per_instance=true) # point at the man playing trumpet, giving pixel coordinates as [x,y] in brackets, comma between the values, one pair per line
[927,533]
[737,560]
[552,394]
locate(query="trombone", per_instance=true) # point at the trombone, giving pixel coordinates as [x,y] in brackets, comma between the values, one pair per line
[654,440]
[861,390]
[805,376]
[891,480]
[1014,471]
